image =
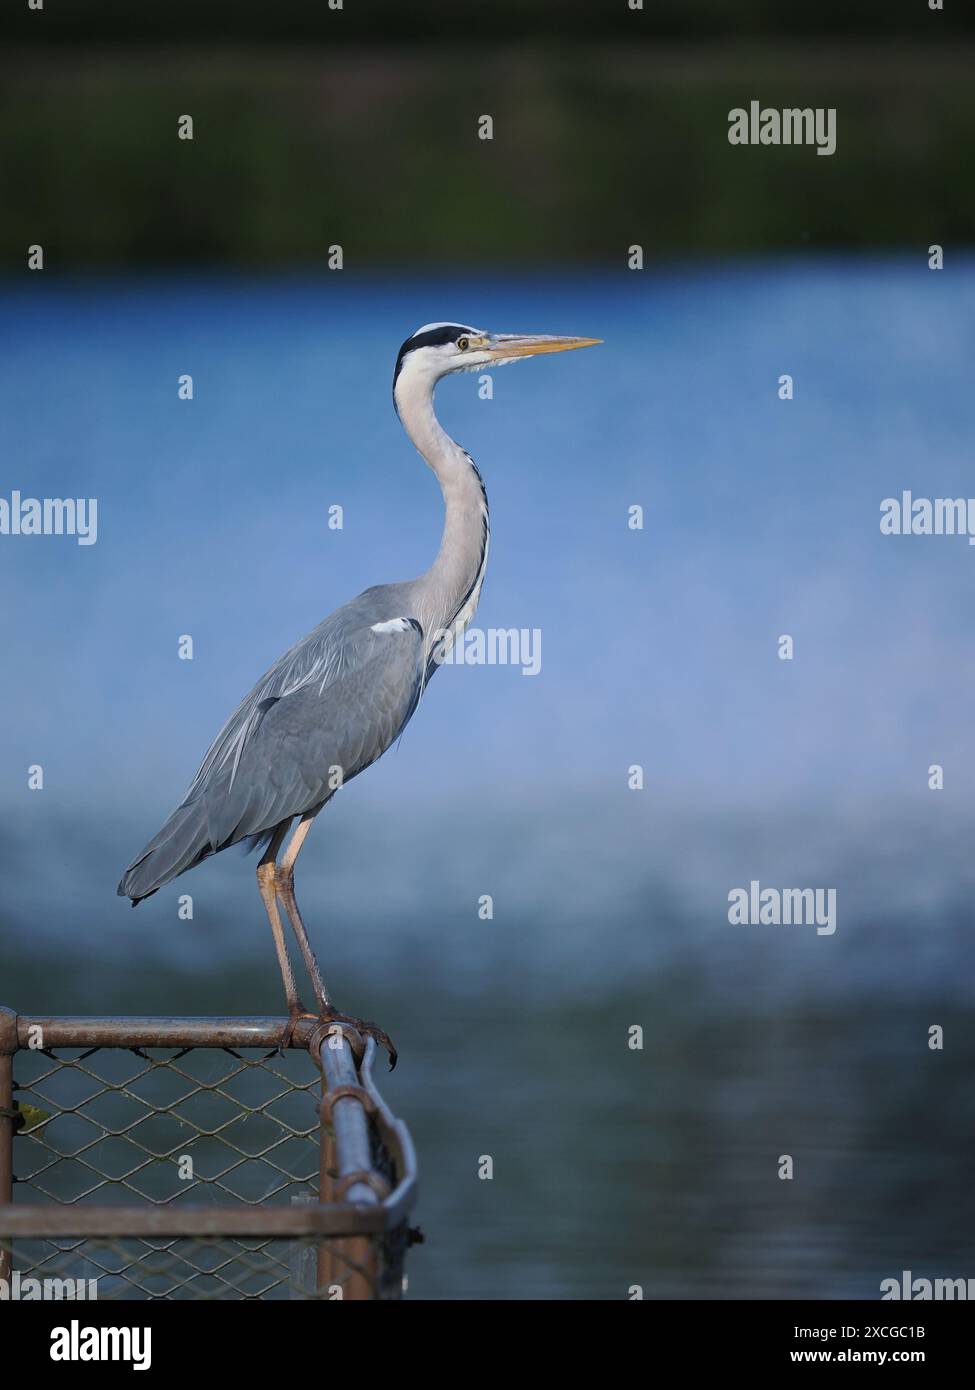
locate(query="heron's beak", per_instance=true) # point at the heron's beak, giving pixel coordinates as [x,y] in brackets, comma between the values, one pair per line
[501,347]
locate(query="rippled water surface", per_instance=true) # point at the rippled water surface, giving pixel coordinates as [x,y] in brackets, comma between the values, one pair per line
[613,1166]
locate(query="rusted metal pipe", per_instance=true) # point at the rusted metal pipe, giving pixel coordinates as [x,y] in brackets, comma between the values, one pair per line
[162,1031]
[74,1220]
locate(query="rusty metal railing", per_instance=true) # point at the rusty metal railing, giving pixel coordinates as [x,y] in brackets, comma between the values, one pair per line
[192,1158]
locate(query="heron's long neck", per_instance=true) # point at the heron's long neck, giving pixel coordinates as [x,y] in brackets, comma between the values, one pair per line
[448,592]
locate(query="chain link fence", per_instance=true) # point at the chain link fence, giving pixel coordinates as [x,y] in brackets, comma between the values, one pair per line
[170,1158]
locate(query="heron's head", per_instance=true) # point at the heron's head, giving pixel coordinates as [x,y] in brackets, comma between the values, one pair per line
[437,349]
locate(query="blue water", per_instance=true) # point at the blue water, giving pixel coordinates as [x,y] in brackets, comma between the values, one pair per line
[659,648]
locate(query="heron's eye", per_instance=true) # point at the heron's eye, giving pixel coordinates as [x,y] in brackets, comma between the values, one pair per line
[463,344]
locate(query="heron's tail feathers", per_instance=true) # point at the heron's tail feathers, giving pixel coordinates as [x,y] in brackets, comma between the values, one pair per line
[182,842]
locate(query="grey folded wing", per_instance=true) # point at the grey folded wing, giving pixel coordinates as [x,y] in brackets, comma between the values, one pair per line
[331,706]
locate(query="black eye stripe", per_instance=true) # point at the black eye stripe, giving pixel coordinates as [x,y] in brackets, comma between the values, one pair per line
[437,337]
[433,337]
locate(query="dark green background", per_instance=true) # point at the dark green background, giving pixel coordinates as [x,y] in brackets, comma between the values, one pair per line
[359,127]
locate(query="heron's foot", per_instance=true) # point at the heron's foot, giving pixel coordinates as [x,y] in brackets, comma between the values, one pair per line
[330,1016]
[294,1015]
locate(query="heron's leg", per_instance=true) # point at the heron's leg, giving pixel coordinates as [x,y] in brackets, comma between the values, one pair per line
[285,879]
[266,883]
[286,892]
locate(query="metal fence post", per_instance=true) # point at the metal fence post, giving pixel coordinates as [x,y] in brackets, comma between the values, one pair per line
[8,1046]
[346,1168]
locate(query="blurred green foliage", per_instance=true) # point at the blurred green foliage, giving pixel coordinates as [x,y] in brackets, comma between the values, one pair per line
[473,21]
[595,147]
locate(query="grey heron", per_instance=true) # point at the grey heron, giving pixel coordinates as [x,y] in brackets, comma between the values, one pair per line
[332,704]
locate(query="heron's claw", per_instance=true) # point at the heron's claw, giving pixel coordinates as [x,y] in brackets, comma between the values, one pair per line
[364,1027]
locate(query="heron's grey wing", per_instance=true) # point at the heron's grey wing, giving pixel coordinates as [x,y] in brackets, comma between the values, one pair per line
[318,657]
[346,699]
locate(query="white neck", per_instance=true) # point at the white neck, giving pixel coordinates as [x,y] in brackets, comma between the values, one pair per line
[448,592]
